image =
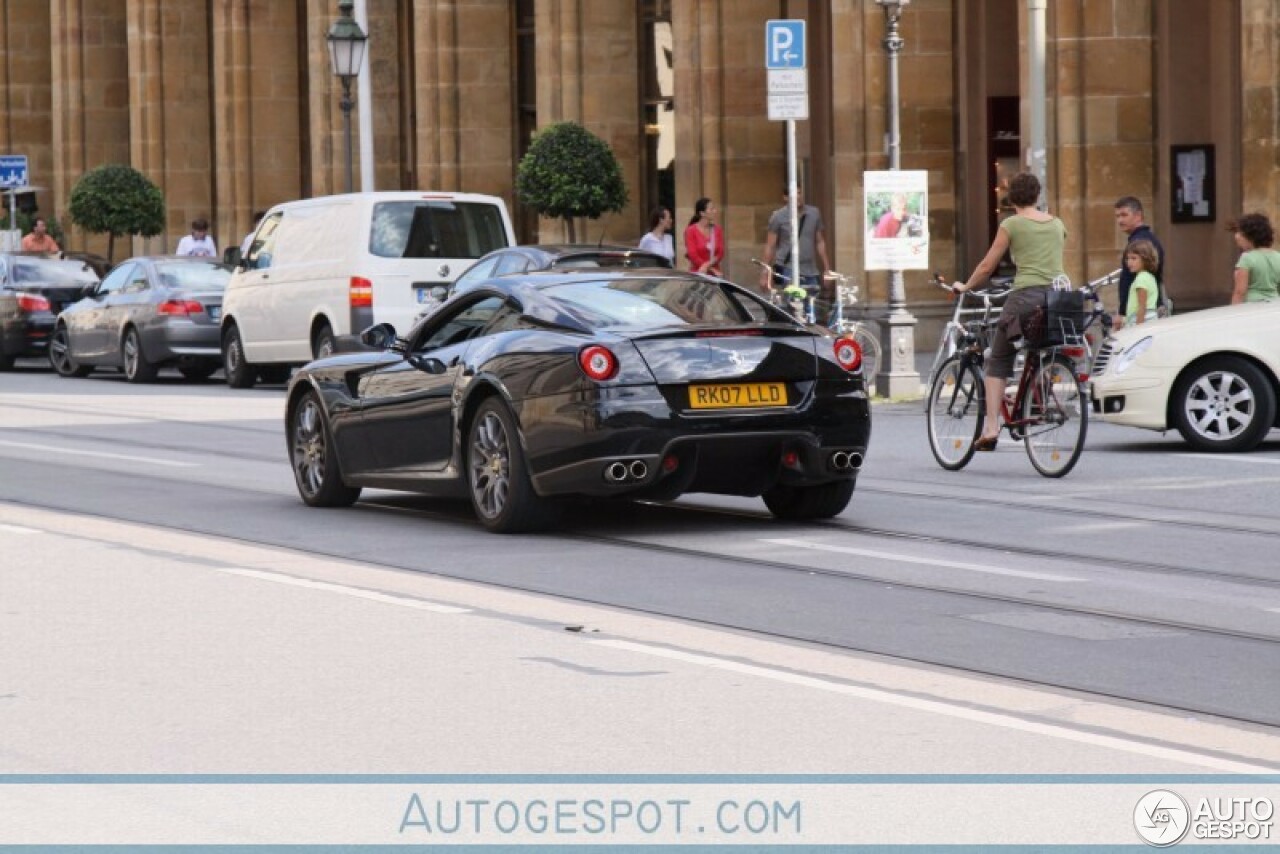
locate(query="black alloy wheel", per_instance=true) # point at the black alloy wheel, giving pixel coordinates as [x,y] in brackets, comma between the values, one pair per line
[136,367]
[315,464]
[501,491]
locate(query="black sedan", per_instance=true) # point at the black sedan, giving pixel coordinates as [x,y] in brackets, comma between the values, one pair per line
[33,289]
[147,313]
[535,388]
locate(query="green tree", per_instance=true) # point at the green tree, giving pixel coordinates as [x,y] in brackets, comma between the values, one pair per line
[118,201]
[570,172]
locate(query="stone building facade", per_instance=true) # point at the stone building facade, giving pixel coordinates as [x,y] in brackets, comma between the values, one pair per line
[230,106]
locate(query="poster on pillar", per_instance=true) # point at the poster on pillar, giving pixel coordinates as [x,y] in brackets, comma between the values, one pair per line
[897,220]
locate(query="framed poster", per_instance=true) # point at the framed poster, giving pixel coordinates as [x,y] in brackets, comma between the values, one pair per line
[1193,185]
[896,205]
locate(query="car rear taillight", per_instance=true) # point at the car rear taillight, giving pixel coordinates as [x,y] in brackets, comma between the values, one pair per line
[848,354]
[179,307]
[31,302]
[361,292]
[598,362]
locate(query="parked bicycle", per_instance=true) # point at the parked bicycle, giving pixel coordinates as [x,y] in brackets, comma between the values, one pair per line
[843,316]
[1047,410]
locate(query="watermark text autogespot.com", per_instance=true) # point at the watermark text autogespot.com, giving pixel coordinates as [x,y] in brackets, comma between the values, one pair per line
[482,818]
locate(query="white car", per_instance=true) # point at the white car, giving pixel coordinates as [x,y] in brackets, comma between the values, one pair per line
[1211,375]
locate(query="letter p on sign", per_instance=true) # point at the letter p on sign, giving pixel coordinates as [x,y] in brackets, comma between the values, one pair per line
[784,44]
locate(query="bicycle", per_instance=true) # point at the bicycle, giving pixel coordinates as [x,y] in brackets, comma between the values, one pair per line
[803,306]
[1049,407]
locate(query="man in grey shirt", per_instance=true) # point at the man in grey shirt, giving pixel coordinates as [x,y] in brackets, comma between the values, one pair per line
[813,245]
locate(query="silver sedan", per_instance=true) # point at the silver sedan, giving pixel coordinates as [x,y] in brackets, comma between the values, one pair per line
[147,313]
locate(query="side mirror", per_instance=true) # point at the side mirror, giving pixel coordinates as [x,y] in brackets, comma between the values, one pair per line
[89,290]
[379,337]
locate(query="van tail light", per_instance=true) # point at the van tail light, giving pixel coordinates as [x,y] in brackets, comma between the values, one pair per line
[598,362]
[32,302]
[179,307]
[848,354]
[361,292]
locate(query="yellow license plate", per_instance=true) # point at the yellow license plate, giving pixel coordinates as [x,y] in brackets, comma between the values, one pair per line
[737,395]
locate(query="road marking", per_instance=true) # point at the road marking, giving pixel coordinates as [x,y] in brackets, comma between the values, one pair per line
[925,561]
[18,529]
[940,707]
[1241,458]
[356,592]
[72,452]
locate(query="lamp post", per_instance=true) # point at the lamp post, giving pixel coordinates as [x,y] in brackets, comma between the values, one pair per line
[346,55]
[901,377]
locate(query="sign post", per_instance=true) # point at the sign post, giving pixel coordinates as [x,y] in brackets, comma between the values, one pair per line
[784,50]
[13,174]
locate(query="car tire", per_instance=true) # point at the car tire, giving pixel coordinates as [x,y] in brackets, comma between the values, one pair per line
[60,354]
[809,502]
[136,367]
[7,361]
[1223,404]
[323,344]
[314,459]
[197,372]
[238,371]
[497,476]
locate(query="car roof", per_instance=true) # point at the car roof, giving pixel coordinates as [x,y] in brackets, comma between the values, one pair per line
[543,279]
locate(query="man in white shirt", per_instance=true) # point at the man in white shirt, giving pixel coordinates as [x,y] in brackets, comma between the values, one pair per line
[198,243]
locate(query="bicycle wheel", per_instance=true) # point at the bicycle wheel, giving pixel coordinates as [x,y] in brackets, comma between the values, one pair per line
[947,347]
[1056,410]
[955,409]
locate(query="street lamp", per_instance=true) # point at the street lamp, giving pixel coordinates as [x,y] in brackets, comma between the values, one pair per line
[346,55]
[898,376]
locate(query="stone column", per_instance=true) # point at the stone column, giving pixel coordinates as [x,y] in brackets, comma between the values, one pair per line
[255,90]
[26,97]
[171,113]
[1100,116]
[90,96]
[1260,126]
[726,148]
[587,63]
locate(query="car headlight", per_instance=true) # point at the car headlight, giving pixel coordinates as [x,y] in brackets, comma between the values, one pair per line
[1126,358]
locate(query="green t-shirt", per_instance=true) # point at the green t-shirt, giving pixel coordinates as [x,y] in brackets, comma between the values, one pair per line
[1144,281]
[1036,248]
[1264,274]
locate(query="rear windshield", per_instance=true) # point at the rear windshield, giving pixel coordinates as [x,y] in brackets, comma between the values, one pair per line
[597,260]
[51,273]
[193,275]
[436,229]
[653,303]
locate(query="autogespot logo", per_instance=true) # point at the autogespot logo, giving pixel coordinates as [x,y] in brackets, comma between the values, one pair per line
[1162,818]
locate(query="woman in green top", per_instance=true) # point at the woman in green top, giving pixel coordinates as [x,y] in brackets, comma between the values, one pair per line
[1035,239]
[1257,275]
[1144,263]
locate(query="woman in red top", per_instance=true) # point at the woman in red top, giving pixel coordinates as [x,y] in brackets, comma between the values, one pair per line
[704,240]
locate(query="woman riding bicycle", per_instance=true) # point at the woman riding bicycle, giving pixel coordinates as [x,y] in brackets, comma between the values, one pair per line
[1035,239]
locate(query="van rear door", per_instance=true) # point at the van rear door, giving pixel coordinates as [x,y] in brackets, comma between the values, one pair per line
[416,244]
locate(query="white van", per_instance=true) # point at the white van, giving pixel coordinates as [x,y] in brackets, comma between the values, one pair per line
[321,270]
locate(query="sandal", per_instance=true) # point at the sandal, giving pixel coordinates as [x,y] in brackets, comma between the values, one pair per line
[986,443]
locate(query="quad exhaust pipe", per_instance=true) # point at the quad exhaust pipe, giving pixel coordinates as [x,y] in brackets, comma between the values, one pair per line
[625,471]
[846,460]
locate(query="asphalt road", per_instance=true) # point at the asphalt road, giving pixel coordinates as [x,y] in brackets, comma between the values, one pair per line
[1148,575]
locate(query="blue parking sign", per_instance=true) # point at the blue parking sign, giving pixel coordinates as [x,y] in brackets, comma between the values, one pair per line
[13,170]
[784,44]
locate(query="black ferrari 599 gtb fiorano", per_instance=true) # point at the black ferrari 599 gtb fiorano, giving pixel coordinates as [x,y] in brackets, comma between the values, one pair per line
[531,389]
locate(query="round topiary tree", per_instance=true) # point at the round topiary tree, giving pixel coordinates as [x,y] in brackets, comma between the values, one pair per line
[570,172]
[119,201]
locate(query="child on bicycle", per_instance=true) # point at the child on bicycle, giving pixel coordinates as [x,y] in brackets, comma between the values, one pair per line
[1036,240]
